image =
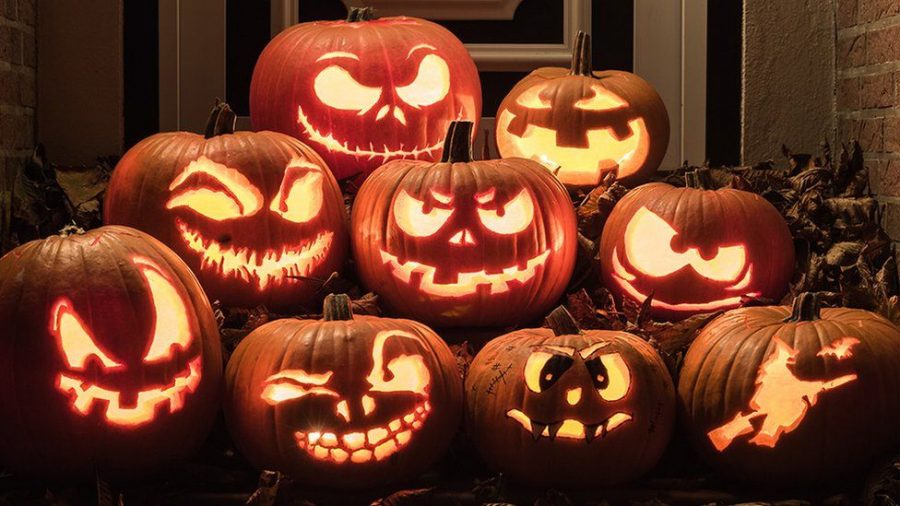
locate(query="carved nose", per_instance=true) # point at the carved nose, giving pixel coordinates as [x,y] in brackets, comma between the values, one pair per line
[396,113]
[573,396]
[463,237]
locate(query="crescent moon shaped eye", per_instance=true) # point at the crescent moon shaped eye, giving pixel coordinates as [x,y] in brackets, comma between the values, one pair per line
[74,339]
[171,328]
[292,384]
[431,85]
[336,88]
[409,213]
[224,195]
[517,215]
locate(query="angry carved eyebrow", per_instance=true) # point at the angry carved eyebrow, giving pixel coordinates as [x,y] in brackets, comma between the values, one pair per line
[420,46]
[486,196]
[558,350]
[337,54]
[590,350]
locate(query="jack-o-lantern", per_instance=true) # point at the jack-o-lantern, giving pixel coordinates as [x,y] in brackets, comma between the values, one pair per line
[257,216]
[346,401]
[695,250]
[365,91]
[775,394]
[582,124]
[565,407]
[110,358]
[464,243]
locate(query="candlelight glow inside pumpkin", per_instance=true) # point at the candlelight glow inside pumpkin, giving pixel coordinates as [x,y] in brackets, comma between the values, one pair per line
[408,373]
[781,399]
[170,333]
[220,193]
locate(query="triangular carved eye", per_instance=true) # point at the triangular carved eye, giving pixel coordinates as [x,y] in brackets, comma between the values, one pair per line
[408,372]
[171,327]
[299,198]
[75,339]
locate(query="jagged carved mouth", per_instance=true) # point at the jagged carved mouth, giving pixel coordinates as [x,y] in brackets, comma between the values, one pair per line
[582,166]
[371,151]
[84,394]
[255,267]
[362,446]
[466,283]
[624,278]
[569,428]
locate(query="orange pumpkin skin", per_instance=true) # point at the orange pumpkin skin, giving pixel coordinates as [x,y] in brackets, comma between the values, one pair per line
[365,91]
[696,250]
[307,397]
[464,243]
[583,124]
[111,359]
[775,395]
[632,419]
[272,223]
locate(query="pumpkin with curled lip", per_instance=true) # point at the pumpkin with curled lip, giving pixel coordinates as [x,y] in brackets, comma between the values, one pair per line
[695,250]
[786,395]
[346,401]
[365,91]
[583,124]
[256,215]
[566,407]
[462,242]
[109,360]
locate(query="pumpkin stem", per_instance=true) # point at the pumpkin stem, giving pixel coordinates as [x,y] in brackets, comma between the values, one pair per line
[695,179]
[805,308]
[458,143]
[561,322]
[337,307]
[582,64]
[356,14]
[221,120]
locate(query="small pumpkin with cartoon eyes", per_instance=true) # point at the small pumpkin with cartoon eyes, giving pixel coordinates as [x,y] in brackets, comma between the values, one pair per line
[461,242]
[561,406]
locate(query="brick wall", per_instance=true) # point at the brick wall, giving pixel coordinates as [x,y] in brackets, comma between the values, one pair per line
[868,93]
[17,92]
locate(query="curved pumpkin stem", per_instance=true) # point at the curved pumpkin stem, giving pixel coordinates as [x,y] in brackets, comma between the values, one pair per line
[337,307]
[458,143]
[582,64]
[221,120]
[561,322]
[695,179]
[356,14]
[805,308]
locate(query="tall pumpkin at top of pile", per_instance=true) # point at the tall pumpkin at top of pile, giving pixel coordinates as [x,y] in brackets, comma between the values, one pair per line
[464,242]
[256,215]
[365,91]
[583,124]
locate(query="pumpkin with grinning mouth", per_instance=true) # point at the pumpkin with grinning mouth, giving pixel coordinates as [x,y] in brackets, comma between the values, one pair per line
[548,407]
[119,351]
[378,401]
[364,91]
[257,216]
[463,242]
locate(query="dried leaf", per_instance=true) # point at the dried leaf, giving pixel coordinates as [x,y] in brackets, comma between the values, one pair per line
[414,497]
[267,491]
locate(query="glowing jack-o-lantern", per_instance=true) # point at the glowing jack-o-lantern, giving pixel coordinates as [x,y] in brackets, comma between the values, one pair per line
[365,91]
[696,250]
[112,357]
[583,124]
[463,242]
[257,216]
[347,401]
[550,406]
[775,394]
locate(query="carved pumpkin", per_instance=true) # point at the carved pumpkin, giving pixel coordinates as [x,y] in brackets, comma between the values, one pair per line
[365,91]
[110,357]
[346,401]
[695,250]
[462,242]
[257,216]
[793,395]
[582,124]
[566,407]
